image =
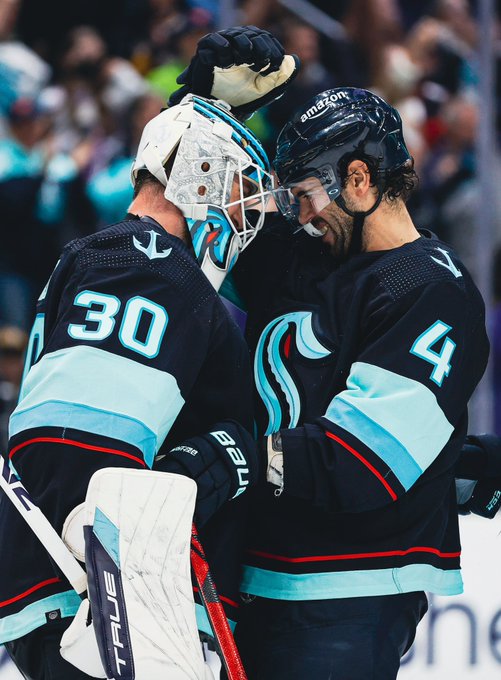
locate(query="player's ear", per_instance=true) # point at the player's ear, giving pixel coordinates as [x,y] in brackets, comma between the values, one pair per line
[358,174]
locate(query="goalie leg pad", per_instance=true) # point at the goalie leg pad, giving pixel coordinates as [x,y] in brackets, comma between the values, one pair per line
[137,545]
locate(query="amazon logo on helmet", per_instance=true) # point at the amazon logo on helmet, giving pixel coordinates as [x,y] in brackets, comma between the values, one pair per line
[319,108]
[337,123]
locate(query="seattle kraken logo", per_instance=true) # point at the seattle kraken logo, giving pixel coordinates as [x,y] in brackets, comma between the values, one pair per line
[214,236]
[269,352]
[151,249]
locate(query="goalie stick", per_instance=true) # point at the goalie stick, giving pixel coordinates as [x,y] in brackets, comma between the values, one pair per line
[69,565]
[42,528]
[215,612]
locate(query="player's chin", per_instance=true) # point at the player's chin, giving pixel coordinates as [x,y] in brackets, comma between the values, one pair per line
[330,239]
[337,245]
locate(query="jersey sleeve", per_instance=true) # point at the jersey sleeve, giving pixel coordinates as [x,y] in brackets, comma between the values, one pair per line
[403,406]
[123,345]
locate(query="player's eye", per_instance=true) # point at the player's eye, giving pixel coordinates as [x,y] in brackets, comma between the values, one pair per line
[306,196]
[249,189]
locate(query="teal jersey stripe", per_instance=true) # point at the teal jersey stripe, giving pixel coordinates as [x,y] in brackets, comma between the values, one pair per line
[403,466]
[368,582]
[371,407]
[203,620]
[33,616]
[92,381]
[78,417]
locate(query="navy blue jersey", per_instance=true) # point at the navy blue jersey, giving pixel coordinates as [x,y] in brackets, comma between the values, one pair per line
[366,370]
[132,352]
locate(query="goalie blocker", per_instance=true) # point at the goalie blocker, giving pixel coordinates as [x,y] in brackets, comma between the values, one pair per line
[137,527]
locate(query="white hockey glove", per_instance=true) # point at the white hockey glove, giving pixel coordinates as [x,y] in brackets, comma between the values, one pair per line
[244,66]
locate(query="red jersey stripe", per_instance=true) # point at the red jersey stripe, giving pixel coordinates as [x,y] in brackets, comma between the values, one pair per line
[48,582]
[366,463]
[72,442]
[355,556]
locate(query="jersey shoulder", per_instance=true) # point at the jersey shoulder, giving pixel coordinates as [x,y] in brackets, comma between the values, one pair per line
[140,250]
[426,262]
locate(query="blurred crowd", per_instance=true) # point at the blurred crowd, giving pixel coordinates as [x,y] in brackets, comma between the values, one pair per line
[79,80]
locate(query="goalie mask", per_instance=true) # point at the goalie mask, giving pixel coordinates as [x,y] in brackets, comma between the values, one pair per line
[220,178]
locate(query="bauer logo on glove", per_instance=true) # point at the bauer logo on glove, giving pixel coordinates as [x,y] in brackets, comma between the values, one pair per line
[223,463]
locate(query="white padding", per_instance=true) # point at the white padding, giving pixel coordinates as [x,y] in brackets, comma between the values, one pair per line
[240,85]
[79,645]
[72,533]
[143,520]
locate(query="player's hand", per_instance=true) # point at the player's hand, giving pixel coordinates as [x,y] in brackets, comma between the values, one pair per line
[478,476]
[245,66]
[274,457]
[485,499]
[223,463]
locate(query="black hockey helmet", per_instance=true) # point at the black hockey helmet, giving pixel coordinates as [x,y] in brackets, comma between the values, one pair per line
[336,124]
[332,129]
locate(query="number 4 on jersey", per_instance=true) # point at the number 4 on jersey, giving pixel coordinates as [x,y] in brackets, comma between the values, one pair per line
[440,360]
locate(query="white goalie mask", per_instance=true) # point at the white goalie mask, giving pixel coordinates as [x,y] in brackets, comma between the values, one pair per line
[220,178]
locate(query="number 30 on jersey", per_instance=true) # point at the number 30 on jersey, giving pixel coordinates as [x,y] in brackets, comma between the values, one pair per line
[100,321]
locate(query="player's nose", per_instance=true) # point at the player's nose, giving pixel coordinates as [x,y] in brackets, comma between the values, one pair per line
[306,212]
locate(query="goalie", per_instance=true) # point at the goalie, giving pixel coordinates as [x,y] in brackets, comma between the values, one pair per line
[132,352]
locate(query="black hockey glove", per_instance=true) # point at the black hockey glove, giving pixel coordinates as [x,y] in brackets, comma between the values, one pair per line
[223,463]
[245,66]
[478,476]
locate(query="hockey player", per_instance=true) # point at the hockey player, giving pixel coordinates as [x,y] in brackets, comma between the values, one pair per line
[365,355]
[134,362]
[364,370]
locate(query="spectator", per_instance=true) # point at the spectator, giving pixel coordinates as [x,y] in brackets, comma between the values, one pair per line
[109,188]
[96,91]
[13,343]
[303,40]
[22,72]
[39,193]
[372,24]
[449,180]
[175,42]
[448,48]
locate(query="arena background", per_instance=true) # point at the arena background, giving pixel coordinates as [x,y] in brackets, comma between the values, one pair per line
[78,81]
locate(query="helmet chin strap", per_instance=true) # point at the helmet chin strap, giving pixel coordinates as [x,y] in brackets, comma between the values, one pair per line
[358,222]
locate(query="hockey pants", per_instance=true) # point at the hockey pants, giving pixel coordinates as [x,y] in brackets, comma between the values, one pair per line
[360,638]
